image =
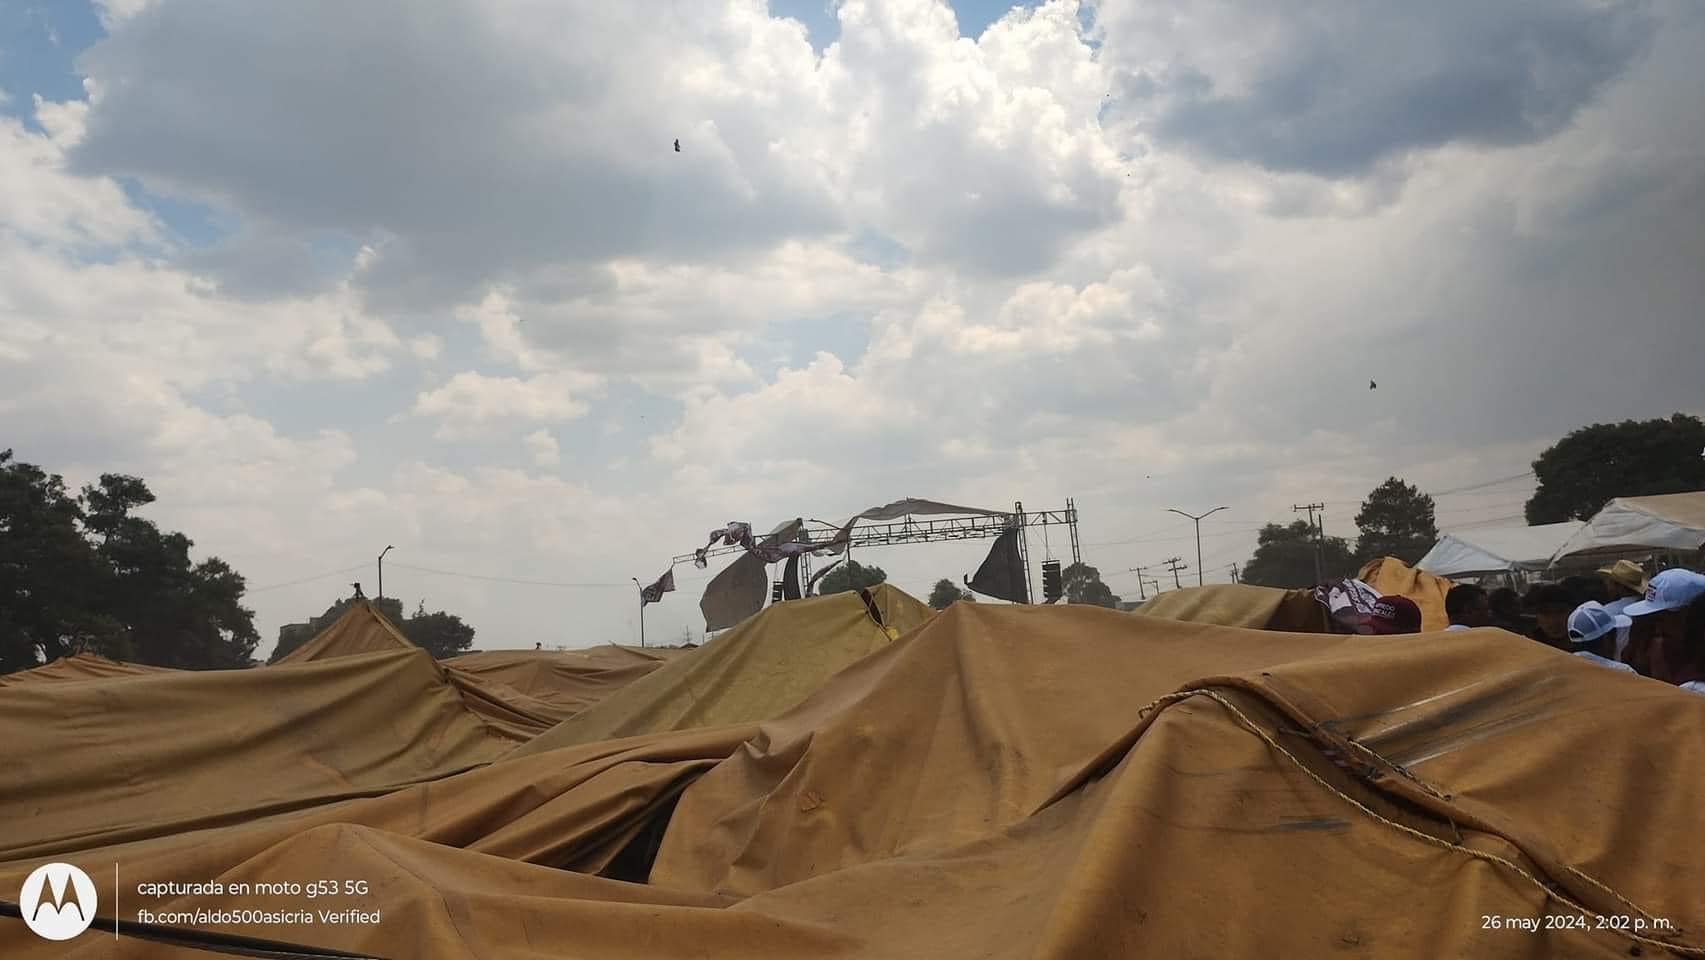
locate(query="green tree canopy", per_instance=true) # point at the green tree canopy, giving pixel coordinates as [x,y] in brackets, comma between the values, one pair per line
[947,593]
[1284,557]
[1582,472]
[851,575]
[1396,520]
[1083,585]
[440,634]
[86,574]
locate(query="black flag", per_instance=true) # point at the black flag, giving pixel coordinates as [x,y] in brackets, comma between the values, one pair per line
[1002,574]
[655,592]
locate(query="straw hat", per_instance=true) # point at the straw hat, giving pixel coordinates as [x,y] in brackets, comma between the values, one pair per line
[1628,574]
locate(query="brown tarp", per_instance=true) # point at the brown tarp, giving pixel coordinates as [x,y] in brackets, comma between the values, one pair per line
[1241,605]
[361,629]
[567,680]
[1021,782]
[80,666]
[517,694]
[100,761]
[751,673]
[1389,575]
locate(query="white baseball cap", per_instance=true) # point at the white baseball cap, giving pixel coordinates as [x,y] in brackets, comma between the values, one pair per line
[1591,621]
[1669,590]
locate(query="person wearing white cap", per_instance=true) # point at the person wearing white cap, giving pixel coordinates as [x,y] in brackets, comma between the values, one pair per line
[1593,630]
[1690,671]
[1667,597]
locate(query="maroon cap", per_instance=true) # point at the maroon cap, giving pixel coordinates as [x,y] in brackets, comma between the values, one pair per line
[1394,614]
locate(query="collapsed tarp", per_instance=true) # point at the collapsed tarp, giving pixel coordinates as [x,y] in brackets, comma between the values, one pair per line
[751,673]
[1497,549]
[1389,576]
[99,761]
[1241,605]
[79,666]
[1064,782]
[361,629]
[569,680]
[517,694]
[1674,522]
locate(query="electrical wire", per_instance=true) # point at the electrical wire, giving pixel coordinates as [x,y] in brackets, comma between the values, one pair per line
[477,576]
[317,576]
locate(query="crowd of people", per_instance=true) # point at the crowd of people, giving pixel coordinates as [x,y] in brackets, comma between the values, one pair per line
[1618,619]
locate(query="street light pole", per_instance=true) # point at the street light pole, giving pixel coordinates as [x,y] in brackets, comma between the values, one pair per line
[382,553]
[1198,521]
[641,587]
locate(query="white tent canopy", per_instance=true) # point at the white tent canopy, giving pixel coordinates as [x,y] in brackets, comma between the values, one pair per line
[1673,522]
[1497,549]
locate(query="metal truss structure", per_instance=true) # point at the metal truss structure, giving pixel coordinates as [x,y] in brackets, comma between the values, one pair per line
[908,530]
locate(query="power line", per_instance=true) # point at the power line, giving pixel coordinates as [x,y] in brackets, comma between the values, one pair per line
[476,576]
[317,576]
[1489,483]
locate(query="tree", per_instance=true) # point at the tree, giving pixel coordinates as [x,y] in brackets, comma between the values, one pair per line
[87,574]
[946,593]
[1582,472]
[1396,520]
[440,634]
[850,576]
[1284,557]
[1083,585]
[47,569]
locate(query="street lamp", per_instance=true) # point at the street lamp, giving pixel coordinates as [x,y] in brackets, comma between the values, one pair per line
[1198,521]
[388,549]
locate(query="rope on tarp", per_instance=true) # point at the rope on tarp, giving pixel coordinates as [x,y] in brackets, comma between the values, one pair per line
[1549,889]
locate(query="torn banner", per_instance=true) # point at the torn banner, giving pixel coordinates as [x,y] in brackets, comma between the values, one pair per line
[910,506]
[655,592]
[740,590]
[1002,573]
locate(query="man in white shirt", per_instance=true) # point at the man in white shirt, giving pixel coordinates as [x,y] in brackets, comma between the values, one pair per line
[1593,630]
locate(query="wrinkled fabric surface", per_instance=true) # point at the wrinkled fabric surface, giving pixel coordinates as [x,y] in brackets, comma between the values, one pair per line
[751,673]
[97,761]
[1240,605]
[1054,782]
[80,666]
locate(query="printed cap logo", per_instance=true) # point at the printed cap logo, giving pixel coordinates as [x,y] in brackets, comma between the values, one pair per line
[58,901]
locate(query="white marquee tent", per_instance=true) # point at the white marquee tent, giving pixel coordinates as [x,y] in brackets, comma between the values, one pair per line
[1497,549]
[1672,523]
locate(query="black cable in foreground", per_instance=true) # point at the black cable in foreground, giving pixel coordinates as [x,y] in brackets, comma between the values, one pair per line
[229,944]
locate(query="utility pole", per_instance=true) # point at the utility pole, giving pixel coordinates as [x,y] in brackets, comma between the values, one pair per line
[1176,564]
[1198,521]
[382,553]
[1234,574]
[1319,533]
[1139,572]
[641,587]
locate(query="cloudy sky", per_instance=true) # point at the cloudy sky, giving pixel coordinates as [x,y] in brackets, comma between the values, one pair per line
[332,276]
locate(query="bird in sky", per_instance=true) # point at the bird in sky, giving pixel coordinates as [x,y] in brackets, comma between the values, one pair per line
[1372,385]
[677,146]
